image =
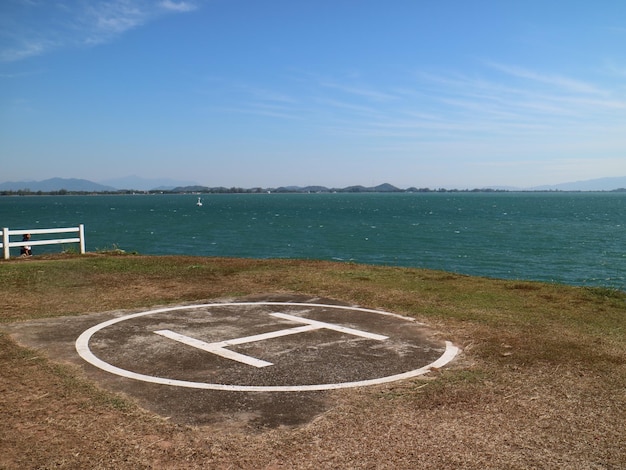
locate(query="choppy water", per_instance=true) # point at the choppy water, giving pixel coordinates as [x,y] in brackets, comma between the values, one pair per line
[571,238]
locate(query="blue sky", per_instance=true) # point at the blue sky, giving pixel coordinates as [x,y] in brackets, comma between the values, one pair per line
[450,93]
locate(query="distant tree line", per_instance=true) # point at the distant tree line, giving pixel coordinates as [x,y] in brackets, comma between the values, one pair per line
[284,190]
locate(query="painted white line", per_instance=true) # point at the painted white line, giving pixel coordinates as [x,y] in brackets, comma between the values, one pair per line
[330,326]
[83,350]
[213,348]
[269,335]
[218,348]
[449,354]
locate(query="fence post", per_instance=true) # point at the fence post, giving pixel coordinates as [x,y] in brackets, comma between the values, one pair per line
[5,243]
[81,235]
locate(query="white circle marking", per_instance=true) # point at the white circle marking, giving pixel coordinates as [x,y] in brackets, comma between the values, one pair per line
[82,347]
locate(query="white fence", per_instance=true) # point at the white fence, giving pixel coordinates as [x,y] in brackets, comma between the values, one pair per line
[6,244]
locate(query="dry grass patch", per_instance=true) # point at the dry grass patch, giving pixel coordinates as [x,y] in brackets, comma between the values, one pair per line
[541,382]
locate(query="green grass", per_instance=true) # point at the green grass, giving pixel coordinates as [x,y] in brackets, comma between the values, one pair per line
[541,319]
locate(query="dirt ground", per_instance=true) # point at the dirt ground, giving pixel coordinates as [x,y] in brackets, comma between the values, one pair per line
[311,358]
[532,395]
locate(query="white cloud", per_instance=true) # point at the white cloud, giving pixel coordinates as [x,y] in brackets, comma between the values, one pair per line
[264,110]
[449,114]
[178,6]
[368,93]
[34,29]
[564,83]
[263,94]
[24,50]
[113,18]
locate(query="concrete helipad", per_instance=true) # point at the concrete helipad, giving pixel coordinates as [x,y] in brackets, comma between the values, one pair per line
[261,361]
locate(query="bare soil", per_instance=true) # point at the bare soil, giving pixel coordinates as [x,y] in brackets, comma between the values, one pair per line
[540,383]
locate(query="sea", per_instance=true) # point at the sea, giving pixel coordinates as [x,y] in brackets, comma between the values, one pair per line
[559,237]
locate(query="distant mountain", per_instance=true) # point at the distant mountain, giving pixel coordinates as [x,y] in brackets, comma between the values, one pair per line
[315,189]
[146,184]
[600,184]
[382,188]
[137,183]
[55,184]
[192,189]
[386,188]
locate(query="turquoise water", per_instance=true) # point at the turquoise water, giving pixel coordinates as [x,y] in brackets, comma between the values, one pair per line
[570,238]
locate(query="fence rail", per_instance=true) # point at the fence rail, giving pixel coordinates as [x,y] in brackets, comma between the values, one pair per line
[6,244]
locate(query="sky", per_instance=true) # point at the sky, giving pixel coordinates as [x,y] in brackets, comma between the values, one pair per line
[251,93]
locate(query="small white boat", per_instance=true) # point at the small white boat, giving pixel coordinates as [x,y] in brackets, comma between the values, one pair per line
[199,203]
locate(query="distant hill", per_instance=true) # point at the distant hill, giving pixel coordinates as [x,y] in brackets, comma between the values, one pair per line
[383,188]
[146,184]
[135,183]
[80,185]
[600,184]
[55,184]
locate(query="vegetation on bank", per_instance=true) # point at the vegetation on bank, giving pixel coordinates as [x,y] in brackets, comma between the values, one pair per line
[280,190]
[236,190]
[69,277]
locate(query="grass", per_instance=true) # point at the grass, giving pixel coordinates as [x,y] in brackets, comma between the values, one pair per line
[541,381]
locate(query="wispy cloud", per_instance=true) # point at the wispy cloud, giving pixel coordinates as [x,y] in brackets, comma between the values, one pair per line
[178,6]
[359,109]
[34,28]
[265,110]
[558,81]
[264,94]
[104,21]
[368,93]
[516,103]
[242,98]
[501,107]
[18,75]
[28,48]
